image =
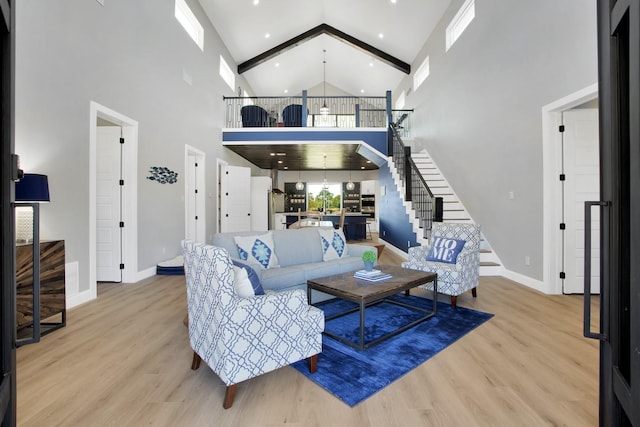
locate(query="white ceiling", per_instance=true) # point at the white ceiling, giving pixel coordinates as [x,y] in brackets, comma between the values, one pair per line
[405,25]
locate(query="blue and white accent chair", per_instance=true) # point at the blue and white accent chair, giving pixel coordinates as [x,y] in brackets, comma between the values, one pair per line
[457,277]
[241,338]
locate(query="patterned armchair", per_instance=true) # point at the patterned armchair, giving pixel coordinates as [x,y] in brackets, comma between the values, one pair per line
[453,279]
[241,338]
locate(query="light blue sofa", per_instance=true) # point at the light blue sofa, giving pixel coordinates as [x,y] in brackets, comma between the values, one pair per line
[299,253]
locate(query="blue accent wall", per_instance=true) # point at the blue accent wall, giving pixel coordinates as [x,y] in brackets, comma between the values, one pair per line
[395,227]
[375,138]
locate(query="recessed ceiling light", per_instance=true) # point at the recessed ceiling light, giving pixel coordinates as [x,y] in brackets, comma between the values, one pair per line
[371,64]
[280,162]
[361,90]
[266,36]
[277,64]
[256,2]
[286,91]
[272,154]
[286,167]
[394,1]
[381,36]
[361,167]
[281,154]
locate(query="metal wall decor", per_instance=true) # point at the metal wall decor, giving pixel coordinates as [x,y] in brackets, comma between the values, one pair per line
[162,175]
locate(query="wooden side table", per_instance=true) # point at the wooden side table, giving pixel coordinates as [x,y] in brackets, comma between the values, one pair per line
[52,287]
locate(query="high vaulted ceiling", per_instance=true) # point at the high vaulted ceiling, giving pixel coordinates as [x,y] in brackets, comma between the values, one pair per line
[404,25]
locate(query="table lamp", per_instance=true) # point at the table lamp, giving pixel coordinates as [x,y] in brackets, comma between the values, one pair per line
[31,190]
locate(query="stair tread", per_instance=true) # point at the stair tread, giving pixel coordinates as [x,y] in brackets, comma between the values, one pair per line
[489,264]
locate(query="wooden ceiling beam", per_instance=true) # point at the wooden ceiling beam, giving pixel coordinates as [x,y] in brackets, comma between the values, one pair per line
[332,32]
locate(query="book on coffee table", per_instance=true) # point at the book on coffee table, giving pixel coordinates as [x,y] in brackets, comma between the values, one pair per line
[365,273]
[375,277]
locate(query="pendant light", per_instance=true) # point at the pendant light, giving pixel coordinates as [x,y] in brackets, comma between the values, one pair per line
[350,185]
[299,184]
[324,110]
[325,184]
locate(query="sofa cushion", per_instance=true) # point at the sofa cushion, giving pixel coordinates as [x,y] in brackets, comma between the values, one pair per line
[333,244]
[282,278]
[257,250]
[295,247]
[445,250]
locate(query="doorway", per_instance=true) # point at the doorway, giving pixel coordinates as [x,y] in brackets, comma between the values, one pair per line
[195,195]
[128,199]
[552,164]
[580,180]
[108,202]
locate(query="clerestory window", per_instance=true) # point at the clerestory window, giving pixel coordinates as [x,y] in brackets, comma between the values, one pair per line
[190,23]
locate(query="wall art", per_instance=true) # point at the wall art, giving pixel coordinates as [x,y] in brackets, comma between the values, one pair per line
[162,175]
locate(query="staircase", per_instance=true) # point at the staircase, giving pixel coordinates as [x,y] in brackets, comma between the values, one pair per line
[453,210]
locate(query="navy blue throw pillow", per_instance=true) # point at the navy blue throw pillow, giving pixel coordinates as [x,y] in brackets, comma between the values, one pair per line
[253,277]
[445,250]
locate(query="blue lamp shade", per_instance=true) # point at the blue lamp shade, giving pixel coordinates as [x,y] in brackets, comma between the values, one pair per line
[32,188]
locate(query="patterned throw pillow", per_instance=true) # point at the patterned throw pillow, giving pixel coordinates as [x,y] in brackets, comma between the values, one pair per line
[334,244]
[257,250]
[445,250]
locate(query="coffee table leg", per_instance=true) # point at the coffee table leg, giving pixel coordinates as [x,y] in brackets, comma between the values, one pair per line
[435,295]
[362,306]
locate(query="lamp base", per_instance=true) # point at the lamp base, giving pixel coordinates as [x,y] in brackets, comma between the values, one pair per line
[24,224]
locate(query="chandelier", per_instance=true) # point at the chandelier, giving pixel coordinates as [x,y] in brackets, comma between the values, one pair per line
[299,184]
[350,185]
[324,110]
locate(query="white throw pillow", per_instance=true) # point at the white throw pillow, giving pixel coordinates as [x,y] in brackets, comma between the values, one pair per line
[242,284]
[257,250]
[334,244]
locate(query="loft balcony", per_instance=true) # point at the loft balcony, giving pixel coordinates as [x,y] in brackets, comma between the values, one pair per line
[340,125]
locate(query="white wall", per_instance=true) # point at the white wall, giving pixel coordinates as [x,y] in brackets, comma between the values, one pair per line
[129,56]
[479,111]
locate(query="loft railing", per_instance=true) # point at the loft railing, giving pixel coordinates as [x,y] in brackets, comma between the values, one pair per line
[402,121]
[427,207]
[344,111]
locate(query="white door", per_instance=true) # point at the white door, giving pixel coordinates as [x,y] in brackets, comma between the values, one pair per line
[195,219]
[235,200]
[582,183]
[108,204]
[260,198]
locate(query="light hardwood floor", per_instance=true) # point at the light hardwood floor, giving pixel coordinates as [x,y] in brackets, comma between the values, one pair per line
[124,360]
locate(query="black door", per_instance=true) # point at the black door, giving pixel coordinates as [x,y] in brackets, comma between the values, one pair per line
[619,80]
[7,248]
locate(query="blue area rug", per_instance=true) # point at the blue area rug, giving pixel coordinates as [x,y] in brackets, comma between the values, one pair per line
[354,376]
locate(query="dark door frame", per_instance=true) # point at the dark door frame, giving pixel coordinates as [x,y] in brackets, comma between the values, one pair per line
[619,82]
[7,248]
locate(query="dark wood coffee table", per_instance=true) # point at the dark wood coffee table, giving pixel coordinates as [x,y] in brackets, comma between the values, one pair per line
[366,294]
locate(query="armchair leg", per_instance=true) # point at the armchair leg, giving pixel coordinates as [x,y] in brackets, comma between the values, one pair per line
[474,293]
[195,363]
[454,300]
[313,363]
[229,395]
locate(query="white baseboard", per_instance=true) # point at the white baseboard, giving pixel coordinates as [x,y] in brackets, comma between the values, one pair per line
[80,298]
[145,274]
[528,281]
